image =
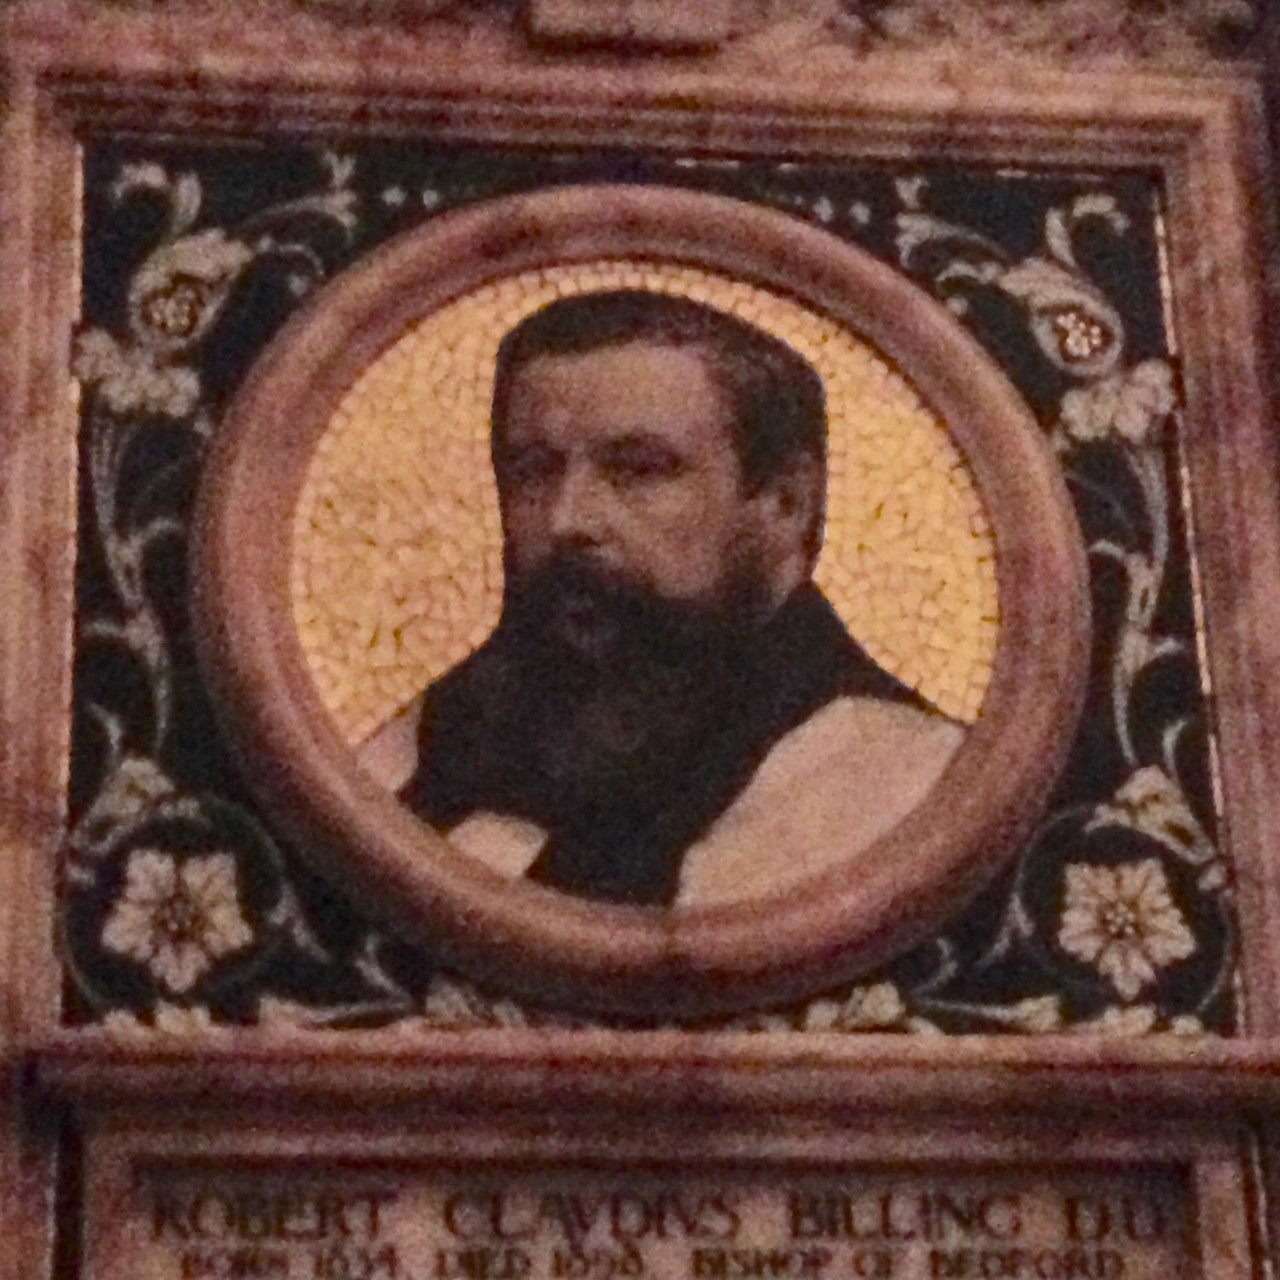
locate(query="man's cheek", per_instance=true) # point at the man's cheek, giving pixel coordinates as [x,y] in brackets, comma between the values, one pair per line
[685,563]
[526,546]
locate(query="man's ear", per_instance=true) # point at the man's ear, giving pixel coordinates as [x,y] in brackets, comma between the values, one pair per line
[790,509]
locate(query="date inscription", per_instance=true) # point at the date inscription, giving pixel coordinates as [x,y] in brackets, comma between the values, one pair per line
[863,1223]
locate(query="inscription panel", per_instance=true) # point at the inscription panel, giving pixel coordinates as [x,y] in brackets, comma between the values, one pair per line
[395,1222]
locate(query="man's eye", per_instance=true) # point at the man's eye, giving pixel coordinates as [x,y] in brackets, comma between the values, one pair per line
[640,464]
[529,465]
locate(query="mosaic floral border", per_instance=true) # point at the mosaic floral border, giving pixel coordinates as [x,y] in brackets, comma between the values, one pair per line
[185,910]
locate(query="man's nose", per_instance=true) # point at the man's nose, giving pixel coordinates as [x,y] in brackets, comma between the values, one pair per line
[579,515]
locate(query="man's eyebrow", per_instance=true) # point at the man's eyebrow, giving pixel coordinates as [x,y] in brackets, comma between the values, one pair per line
[640,442]
[506,444]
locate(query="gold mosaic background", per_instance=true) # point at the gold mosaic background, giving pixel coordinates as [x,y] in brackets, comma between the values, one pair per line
[397,568]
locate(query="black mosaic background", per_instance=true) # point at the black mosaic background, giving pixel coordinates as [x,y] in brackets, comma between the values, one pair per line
[998,952]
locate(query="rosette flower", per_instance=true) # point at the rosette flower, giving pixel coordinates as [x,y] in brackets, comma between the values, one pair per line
[179,291]
[1122,920]
[178,918]
[1073,323]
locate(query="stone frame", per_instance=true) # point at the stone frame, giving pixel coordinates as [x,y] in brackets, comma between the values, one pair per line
[69,71]
[123,1152]
[704,961]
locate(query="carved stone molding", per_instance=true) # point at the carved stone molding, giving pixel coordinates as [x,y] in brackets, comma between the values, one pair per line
[816,39]
[1058,28]
[1160,32]
[644,23]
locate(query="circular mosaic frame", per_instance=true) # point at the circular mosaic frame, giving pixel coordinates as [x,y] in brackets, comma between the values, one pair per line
[397,541]
[685,961]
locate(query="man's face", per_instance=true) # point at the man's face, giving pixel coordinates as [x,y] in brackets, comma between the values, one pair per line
[619,484]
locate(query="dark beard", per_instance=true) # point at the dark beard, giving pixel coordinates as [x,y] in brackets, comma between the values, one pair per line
[614,679]
[594,620]
[589,711]
[626,733]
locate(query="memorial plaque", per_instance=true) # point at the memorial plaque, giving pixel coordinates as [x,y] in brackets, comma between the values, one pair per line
[630,667]
[396,1222]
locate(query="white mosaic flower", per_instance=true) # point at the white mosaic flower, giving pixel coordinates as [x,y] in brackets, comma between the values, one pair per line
[180,290]
[1151,802]
[450,1003]
[130,381]
[1131,405]
[177,917]
[878,1007]
[1126,1020]
[1037,1014]
[120,1022]
[179,1020]
[1074,324]
[1123,921]
[168,1019]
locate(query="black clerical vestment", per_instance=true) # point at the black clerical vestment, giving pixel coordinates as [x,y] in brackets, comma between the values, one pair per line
[625,843]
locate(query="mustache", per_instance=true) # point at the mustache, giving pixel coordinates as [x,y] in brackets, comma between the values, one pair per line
[572,591]
[569,583]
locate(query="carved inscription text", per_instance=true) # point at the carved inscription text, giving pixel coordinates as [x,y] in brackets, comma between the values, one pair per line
[396,1223]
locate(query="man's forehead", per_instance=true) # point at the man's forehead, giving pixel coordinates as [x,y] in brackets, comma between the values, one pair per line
[639,386]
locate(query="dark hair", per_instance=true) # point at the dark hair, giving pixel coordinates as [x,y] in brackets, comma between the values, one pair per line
[776,395]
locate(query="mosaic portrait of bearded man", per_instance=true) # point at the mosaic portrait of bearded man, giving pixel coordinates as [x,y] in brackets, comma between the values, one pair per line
[669,711]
